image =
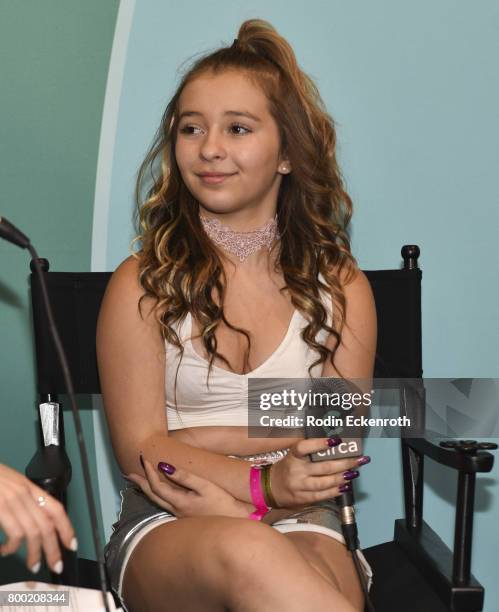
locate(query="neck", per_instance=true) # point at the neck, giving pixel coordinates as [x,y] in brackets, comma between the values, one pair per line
[249,247]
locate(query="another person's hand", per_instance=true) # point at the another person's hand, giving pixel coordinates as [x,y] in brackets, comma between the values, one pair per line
[186,494]
[296,480]
[28,513]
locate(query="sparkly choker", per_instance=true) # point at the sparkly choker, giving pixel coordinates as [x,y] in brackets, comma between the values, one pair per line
[241,244]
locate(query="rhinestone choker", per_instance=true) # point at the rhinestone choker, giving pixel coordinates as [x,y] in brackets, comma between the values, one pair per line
[241,244]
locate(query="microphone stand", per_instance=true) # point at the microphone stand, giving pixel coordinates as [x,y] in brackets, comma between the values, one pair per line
[344,501]
[10,233]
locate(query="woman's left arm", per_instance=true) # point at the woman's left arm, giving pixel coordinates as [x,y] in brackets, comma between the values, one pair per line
[355,355]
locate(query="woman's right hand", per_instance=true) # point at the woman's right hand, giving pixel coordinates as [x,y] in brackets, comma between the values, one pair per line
[28,512]
[296,480]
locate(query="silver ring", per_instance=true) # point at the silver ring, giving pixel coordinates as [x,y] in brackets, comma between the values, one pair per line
[42,501]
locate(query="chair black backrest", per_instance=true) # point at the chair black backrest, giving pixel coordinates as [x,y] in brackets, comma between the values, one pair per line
[76,298]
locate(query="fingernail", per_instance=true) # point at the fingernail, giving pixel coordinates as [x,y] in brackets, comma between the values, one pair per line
[142,462]
[36,567]
[345,487]
[166,468]
[73,545]
[333,441]
[350,474]
[58,567]
[363,460]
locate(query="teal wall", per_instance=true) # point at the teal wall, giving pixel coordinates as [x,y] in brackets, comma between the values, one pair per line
[55,57]
[414,89]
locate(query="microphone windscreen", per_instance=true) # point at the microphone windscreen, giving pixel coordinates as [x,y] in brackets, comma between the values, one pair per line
[324,417]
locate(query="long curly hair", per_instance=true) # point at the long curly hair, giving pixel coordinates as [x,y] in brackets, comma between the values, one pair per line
[179,265]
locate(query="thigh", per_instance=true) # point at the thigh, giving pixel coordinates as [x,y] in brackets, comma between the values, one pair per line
[166,570]
[331,559]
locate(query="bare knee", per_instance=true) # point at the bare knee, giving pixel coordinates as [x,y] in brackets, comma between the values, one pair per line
[241,544]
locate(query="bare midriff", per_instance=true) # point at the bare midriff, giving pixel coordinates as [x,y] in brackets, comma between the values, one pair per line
[227,440]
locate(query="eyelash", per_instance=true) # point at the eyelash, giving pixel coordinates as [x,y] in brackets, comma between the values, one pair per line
[185,128]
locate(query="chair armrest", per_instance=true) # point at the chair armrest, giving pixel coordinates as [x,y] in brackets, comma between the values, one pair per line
[461,461]
[50,469]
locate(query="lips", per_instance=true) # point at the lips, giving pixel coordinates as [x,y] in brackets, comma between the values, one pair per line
[212,178]
[215,174]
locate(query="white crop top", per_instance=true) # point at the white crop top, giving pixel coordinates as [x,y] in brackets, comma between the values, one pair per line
[225,402]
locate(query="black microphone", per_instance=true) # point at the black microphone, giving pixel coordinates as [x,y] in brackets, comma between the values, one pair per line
[9,232]
[12,234]
[343,392]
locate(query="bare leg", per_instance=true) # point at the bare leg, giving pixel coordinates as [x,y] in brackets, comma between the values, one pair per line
[332,560]
[215,564]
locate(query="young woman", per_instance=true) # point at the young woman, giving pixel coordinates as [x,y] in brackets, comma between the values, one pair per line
[244,271]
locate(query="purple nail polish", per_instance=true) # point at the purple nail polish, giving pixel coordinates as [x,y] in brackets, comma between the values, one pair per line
[350,474]
[363,460]
[166,468]
[345,487]
[333,441]
[142,462]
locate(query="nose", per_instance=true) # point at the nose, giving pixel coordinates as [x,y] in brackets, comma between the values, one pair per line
[212,146]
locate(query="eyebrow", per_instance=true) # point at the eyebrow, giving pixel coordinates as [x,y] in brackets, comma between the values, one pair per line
[232,113]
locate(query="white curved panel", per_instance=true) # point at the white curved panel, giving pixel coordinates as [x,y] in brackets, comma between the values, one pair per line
[106,464]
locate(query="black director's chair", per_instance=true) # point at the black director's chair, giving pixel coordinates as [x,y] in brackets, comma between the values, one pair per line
[414,572]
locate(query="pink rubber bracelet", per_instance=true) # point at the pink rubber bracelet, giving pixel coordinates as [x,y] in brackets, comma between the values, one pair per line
[257,496]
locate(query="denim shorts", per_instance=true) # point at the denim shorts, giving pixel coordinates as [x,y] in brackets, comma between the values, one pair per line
[138,515]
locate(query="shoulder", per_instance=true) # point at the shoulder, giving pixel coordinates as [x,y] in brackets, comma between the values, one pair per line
[127,274]
[124,291]
[356,288]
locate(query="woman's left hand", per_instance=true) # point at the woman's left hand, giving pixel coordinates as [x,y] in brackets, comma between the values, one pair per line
[185,494]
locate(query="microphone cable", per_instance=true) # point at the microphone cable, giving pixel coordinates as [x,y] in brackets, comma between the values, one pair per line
[10,233]
[345,502]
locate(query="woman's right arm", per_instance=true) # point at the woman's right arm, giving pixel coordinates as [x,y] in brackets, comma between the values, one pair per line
[131,362]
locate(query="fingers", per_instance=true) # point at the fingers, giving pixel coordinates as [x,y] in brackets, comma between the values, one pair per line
[305,447]
[24,519]
[13,531]
[174,492]
[55,510]
[333,466]
[183,478]
[323,483]
[177,478]
[144,485]
[45,518]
